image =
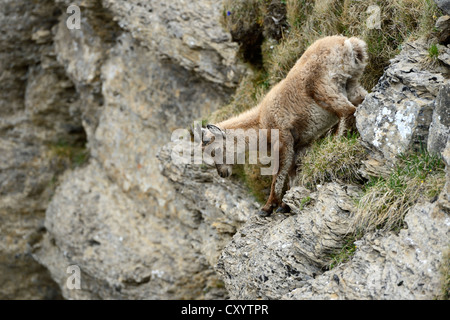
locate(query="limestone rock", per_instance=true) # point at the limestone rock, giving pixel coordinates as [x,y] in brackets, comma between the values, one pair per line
[395,267]
[268,258]
[444,198]
[440,126]
[443,28]
[35,110]
[220,206]
[145,101]
[82,53]
[396,116]
[138,101]
[187,32]
[406,266]
[444,5]
[122,92]
[123,250]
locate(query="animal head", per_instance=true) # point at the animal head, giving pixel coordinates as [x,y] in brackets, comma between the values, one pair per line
[214,142]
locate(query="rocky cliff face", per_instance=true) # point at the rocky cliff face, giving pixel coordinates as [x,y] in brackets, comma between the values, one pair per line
[121,84]
[138,224]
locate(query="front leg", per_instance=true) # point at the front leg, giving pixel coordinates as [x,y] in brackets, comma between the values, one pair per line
[355,92]
[286,157]
[344,109]
[330,97]
[356,95]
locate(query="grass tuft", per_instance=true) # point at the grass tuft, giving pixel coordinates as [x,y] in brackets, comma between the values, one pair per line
[332,158]
[433,51]
[344,255]
[309,21]
[386,201]
[69,155]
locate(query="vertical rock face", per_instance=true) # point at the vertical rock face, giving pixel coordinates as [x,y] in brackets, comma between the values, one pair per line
[120,84]
[440,125]
[119,211]
[187,32]
[404,267]
[444,5]
[118,219]
[36,104]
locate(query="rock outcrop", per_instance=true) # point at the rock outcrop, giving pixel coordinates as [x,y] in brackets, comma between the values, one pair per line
[268,258]
[444,5]
[440,125]
[37,109]
[397,115]
[140,225]
[392,267]
[143,99]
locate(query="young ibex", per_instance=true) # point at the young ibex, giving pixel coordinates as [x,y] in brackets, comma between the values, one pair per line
[321,91]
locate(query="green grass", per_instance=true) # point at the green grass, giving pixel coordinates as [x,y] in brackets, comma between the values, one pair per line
[332,158]
[433,51]
[309,21]
[344,255]
[386,201]
[69,155]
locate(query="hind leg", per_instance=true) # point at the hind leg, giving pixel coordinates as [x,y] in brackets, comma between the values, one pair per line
[284,208]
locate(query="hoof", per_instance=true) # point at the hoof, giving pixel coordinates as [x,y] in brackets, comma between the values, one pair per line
[263,213]
[281,210]
[284,209]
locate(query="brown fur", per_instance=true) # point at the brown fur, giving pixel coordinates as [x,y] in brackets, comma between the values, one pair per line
[320,91]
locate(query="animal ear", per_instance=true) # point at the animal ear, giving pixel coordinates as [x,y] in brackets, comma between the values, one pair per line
[215,130]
